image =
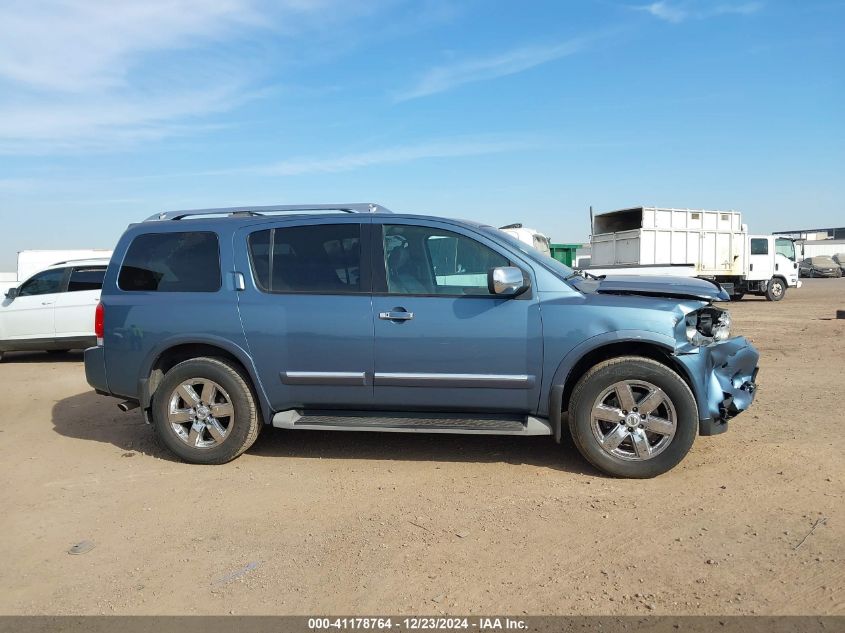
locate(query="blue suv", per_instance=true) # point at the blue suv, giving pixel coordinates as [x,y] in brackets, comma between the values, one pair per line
[351,318]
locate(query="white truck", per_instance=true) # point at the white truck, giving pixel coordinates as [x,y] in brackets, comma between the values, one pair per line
[529,236]
[693,242]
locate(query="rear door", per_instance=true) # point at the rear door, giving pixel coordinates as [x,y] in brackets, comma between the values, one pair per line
[442,340]
[307,312]
[75,307]
[30,315]
[761,261]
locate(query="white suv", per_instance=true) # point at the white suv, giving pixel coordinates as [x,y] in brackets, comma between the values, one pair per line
[54,309]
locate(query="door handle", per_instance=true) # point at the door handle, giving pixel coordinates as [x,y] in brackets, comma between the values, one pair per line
[396,315]
[47,303]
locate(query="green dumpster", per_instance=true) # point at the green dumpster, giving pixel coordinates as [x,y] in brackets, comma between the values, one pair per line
[564,253]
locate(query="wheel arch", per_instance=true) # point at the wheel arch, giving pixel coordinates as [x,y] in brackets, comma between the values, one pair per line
[175,351]
[601,348]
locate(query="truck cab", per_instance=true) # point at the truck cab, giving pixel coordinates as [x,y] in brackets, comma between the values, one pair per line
[772,267]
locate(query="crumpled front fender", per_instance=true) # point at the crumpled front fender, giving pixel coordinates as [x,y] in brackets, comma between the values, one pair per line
[727,372]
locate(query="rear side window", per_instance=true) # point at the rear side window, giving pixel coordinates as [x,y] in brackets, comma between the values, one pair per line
[86,279]
[172,262]
[759,247]
[323,258]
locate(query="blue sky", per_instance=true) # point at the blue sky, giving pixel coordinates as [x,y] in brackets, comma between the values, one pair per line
[495,111]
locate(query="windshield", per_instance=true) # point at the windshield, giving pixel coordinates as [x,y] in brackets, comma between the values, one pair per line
[548,262]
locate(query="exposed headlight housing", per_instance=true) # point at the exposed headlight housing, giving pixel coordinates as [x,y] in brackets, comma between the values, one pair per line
[708,325]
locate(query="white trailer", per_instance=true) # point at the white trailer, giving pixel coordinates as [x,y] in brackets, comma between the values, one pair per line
[693,242]
[812,248]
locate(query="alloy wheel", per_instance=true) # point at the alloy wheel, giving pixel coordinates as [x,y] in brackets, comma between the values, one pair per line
[200,412]
[633,420]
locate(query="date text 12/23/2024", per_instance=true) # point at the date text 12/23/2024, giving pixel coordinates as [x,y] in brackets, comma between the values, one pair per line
[417,624]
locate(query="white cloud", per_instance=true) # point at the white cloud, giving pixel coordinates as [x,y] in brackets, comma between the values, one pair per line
[91,74]
[79,45]
[446,77]
[350,161]
[681,10]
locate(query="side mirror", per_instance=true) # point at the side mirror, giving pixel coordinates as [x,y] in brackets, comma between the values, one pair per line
[11,293]
[506,281]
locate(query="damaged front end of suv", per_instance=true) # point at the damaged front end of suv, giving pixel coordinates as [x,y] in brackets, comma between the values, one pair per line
[721,370]
[726,367]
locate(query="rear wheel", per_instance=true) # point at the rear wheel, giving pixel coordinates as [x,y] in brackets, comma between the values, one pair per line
[632,417]
[737,296]
[776,290]
[205,412]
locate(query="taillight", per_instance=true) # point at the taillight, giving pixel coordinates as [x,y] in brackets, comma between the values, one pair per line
[100,323]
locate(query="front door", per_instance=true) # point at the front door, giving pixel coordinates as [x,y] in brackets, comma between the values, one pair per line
[761,259]
[442,340]
[307,312]
[30,315]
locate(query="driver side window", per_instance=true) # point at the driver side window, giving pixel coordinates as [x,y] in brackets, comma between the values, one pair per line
[46,282]
[421,260]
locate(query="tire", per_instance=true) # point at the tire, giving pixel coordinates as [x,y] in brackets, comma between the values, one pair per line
[643,376]
[738,296]
[776,289]
[217,423]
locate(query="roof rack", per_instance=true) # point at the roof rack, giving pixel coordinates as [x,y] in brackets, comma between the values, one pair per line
[355,207]
[83,259]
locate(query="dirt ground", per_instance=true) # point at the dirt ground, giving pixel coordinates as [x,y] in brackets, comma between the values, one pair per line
[358,523]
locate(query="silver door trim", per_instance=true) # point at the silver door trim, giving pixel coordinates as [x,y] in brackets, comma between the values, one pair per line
[485,381]
[350,378]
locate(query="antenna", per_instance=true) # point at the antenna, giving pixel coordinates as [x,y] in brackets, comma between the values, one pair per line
[591,222]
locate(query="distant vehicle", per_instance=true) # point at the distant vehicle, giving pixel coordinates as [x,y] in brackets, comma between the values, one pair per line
[33,261]
[712,245]
[529,236]
[54,309]
[839,258]
[820,266]
[351,318]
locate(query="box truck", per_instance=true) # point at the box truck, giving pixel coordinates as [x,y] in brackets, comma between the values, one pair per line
[715,245]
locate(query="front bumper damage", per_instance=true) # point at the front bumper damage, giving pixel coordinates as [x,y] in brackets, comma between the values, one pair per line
[725,381]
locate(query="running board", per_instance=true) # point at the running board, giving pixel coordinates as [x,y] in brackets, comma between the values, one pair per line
[390,422]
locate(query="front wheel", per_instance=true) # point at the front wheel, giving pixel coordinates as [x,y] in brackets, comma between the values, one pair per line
[205,412]
[776,289]
[632,417]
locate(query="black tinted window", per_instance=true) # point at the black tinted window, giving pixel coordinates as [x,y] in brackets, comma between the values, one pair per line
[759,247]
[172,262]
[86,279]
[317,258]
[44,283]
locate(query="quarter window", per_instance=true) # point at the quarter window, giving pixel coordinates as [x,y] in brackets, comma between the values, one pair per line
[426,260]
[44,283]
[318,258]
[759,246]
[172,262]
[86,279]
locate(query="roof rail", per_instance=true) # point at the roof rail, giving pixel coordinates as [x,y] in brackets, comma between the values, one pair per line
[355,207]
[83,259]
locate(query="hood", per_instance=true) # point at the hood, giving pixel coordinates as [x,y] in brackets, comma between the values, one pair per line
[660,286]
